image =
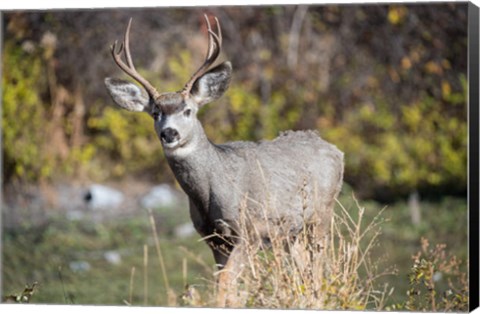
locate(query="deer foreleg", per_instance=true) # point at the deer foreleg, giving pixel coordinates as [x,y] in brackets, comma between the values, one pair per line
[227,279]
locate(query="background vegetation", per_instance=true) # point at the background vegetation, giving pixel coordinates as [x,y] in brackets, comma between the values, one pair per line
[385,83]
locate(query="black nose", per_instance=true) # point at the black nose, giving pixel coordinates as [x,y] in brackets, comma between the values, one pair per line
[169,135]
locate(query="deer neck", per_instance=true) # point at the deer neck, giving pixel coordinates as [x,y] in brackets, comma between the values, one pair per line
[195,166]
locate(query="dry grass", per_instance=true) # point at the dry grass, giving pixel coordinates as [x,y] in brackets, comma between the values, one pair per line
[322,269]
[317,269]
[314,270]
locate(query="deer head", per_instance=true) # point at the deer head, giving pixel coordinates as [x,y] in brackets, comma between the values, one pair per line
[174,113]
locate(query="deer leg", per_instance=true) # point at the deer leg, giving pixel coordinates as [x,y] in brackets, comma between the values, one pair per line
[227,292]
[220,256]
[300,256]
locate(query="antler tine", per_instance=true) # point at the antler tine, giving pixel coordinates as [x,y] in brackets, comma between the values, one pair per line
[129,68]
[219,31]
[214,47]
[126,40]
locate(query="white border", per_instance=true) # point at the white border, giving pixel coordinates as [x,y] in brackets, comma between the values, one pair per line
[97,4]
[82,309]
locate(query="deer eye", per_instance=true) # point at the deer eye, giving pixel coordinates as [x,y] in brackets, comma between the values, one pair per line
[155,115]
[187,112]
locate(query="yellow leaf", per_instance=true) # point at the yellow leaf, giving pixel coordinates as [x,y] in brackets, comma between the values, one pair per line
[446,89]
[394,75]
[446,64]
[396,14]
[406,63]
[393,16]
[415,55]
[433,68]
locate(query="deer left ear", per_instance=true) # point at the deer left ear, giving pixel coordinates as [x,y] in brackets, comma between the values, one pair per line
[127,95]
[212,85]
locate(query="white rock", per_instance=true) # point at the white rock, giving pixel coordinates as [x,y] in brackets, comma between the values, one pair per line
[159,196]
[185,230]
[102,197]
[437,276]
[113,257]
[79,266]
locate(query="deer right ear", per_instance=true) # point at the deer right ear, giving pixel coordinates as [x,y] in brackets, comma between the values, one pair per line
[127,95]
[213,84]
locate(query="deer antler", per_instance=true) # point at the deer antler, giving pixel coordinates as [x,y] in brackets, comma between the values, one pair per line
[129,68]
[214,47]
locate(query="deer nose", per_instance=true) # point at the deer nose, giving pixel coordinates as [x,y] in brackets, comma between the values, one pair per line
[169,135]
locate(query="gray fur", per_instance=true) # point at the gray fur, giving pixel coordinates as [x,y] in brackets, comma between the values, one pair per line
[213,84]
[268,175]
[127,95]
[293,178]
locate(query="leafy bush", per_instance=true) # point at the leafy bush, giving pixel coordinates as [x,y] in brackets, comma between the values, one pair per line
[420,148]
[23,297]
[432,268]
[126,142]
[24,111]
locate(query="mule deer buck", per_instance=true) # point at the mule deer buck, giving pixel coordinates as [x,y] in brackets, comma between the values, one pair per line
[265,178]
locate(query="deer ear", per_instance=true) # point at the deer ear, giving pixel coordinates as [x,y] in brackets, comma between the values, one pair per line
[212,85]
[127,95]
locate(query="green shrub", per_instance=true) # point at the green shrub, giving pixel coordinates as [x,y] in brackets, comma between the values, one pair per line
[24,113]
[436,282]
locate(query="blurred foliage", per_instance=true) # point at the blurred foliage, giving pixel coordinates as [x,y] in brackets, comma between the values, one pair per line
[385,83]
[23,297]
[127,138]
[431,267]
[427,149]
[23,116]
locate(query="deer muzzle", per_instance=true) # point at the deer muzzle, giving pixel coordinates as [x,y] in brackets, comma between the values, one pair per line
[169,136]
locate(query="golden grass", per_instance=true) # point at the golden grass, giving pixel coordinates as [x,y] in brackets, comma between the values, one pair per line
[316,270]
[320,269]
